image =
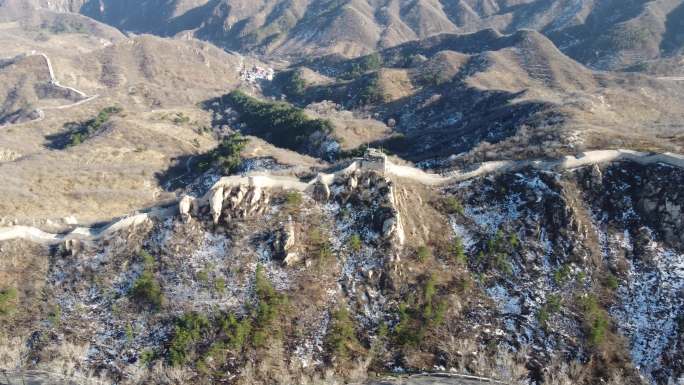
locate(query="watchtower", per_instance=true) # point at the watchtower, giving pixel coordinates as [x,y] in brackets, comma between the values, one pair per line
[374,159]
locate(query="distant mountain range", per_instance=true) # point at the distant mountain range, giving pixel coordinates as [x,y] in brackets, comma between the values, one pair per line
[603,34]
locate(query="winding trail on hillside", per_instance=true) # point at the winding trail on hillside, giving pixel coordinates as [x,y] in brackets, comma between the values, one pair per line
[56,83]
[292,183]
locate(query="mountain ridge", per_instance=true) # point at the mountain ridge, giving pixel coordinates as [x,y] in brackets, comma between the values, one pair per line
[641,32]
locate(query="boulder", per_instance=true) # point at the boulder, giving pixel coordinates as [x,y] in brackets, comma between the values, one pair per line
[237,196]
[185,207]
[292,259]
[393,229]
[596,177]
[321,192]
[253,196]
[288,236]
[216,204]
[352,182]
[72,246]
[284,242]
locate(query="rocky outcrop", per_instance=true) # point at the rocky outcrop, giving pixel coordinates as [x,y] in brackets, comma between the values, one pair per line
[185,207]
[321,192]
[650,194]
[216,203]
[372,192]
[224,203]
[284,244]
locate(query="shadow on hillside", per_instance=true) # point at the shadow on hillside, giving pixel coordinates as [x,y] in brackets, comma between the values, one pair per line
[185,170]
[673,38]
[65,138]
[443,120]
[460,120]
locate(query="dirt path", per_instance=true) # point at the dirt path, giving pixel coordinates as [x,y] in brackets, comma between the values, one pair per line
[56,83]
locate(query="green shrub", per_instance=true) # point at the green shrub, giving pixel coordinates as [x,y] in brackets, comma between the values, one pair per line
[453,206]
[8,297]
[371,62]
[325,251]
[188,330]
[595,320]
[561,275]
[227,154]
[146,289]
[355,243]
[503,264]
[130,334]
[418,316]
[55,315]
[197,337]
[513,241]
[293,199]
[423,253]
[371,93]
[292,83]
[543,317]
[220,285]
[597,330]
[498,248]
[319,244]
[552,306]
[496,243]
[433,77]
[148,261]
[581,276]
[146,357]
[457,251]
[611,281]
[180,119]
[341,337]
[79,132]
[203,276]
[409,330]
[193,332]
[237,331]
[278,122]
[269,304]
[554,303]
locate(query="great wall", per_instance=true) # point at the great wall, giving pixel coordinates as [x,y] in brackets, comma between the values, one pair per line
[372,161]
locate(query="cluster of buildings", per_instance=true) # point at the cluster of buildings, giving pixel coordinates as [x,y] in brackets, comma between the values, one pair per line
[256,73]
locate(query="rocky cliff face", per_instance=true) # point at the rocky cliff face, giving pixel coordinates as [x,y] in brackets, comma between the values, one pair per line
[561,252]
[564,277]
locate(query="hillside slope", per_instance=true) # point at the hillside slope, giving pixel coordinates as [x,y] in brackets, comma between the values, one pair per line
[492,96]
[566,276]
